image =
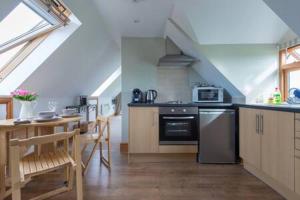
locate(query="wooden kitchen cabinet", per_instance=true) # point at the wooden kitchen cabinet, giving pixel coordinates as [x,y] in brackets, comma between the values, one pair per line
[143,130]
[249,137]
[297,171]
[277,146]
[267,142]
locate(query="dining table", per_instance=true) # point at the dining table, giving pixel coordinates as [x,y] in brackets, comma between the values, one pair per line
[8,129]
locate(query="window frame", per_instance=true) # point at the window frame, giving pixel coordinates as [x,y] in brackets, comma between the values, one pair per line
[285,69]
[8,102]
[20,56]
[33,40]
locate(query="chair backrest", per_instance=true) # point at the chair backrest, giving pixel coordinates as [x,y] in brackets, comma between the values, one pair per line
[103,123]
[45,139]
[16,145]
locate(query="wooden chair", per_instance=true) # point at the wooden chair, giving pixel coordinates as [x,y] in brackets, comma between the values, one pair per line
[23,169]
[98,138]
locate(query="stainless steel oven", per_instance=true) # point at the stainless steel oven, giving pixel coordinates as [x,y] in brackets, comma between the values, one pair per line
[208,94]
[178,125]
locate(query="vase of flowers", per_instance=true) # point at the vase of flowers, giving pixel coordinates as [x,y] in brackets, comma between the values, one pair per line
[28,102]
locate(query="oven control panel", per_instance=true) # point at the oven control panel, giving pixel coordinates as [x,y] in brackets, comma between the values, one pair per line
[178,110]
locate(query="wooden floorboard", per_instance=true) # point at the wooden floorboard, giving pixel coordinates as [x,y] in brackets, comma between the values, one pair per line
[176,180]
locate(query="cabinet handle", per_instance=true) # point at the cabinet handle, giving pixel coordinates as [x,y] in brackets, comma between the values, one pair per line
[257,123]
[262,124]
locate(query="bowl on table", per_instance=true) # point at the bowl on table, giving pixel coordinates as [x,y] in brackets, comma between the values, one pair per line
[46,114]
[69,112]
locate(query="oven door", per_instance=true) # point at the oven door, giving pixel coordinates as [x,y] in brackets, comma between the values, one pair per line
[178,129]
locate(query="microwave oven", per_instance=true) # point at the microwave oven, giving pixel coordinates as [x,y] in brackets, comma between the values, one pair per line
[208,94]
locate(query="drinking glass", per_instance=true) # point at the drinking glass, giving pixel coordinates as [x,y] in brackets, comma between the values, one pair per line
[52,106]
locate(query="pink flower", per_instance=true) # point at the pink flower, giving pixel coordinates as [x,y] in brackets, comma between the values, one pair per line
[22,92]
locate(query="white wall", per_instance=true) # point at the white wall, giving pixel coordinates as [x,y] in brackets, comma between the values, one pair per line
[253,69]
[139,70]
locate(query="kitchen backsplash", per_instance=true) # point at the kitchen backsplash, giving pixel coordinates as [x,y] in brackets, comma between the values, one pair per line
[173,84]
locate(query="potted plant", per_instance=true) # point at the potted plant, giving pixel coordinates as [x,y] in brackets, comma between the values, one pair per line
[27,100]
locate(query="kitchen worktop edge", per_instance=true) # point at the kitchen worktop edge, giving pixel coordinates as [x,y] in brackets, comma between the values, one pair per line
[282,107]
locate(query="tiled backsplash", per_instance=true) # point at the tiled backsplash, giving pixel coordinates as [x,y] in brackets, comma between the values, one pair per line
[173,84]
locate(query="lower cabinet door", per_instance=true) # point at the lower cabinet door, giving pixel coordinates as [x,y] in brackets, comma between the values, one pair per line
[297,174]
[269,143]
[250,147]
[277,147]
[286,149]
[143,130]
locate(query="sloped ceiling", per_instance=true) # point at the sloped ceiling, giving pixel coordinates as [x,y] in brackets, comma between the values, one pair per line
[204,66]
[233,21]
[7,6]
[82,63]
[288,11]
[213,21]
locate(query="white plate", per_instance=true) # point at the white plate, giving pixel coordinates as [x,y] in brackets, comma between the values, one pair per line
[70,116]
[47,119]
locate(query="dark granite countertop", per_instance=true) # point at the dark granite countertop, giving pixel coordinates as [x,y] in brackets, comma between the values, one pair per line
[281,107]
[200,105]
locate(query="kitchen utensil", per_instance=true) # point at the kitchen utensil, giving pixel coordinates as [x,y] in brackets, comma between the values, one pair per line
[69,111]
[46,114]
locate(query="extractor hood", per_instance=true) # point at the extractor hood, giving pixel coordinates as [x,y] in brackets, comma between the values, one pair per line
[175,57]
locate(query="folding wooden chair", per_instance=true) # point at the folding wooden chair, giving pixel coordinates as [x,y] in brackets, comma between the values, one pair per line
[23,169]
[99,138]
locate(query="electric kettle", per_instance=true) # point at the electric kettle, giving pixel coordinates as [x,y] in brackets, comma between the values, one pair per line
[151,96]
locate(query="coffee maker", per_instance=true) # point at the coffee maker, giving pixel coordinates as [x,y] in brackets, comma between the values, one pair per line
[137,96]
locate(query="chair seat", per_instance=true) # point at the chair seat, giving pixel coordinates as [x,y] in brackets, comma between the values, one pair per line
[33,164]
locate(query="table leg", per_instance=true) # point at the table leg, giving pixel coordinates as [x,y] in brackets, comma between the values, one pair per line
[66,148]
[3,161]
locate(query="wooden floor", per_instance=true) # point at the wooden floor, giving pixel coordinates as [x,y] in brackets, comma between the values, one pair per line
[179,178]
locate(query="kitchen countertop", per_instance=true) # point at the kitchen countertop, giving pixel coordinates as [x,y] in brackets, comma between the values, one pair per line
[282,107]
[200,105]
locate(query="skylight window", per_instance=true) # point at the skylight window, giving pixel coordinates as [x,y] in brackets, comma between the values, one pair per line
[9,55]
[25,27]
[107,83]
[20,21]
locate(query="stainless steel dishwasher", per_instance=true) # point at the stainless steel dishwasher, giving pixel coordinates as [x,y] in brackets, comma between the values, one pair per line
[217,141]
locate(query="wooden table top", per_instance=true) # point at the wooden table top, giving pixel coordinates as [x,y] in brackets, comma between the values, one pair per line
[7,124]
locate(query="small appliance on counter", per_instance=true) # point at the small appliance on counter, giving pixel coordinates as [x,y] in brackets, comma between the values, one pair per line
[137,96]
[151,95]
[208,94]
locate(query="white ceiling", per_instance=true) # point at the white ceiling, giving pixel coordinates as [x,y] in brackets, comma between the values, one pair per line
[121,14]
[212,21]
